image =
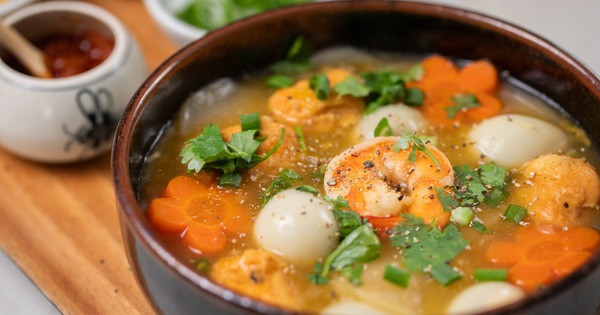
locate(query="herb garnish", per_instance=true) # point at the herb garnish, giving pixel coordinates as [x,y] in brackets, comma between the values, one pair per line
[482,275]
[417,145]
[283,181]
[388,87]
[485,184]
[320,84]
[296,59]
[348,220]
[428,249]
[383,128]
[360,246]
[396,276]
[279,81]
[300,136]
[515,213]
[351,86]
[209,151]
[461,102]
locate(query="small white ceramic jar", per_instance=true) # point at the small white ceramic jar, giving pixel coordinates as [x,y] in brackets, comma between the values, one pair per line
[73,118]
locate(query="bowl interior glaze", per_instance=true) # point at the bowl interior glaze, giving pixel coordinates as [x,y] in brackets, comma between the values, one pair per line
[395,26]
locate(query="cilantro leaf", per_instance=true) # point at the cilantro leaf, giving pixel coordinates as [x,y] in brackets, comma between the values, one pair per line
[283,181]
[209,151]
[446,199]
[486,184]
[360,246]
[351,86]
[388,87]
[417,145]
[207,147]
[461,102]
[279,81]
[426,248]
[348,220]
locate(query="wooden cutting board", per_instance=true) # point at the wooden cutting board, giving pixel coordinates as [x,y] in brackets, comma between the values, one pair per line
[59,223]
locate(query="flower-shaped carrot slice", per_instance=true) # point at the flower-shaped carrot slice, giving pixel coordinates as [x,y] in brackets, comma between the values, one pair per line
[443,82]
[539,258]
[205,217]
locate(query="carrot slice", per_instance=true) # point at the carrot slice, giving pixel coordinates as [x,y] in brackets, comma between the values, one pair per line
[205,216]
[237,218]
[207,239]
[183,187]
[581,238]
[437,69]
[504,254]
[480,75]
[541,256]
[529,276]
[489,106]
[569,262]
[437,99]
[167,215]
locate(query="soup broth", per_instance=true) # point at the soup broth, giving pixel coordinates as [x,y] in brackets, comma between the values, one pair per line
[318,143]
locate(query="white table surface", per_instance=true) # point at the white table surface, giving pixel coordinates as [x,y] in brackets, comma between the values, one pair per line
[572,25]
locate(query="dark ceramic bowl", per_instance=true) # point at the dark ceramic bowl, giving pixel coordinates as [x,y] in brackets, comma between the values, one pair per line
[171,285]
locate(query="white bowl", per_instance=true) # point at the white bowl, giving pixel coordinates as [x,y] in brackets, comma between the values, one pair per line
[11,5]
[163,12]
[73,118]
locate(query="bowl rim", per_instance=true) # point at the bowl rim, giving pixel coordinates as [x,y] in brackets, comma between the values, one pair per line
[133,215]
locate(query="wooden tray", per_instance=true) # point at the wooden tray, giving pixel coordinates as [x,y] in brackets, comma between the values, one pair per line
[59,222]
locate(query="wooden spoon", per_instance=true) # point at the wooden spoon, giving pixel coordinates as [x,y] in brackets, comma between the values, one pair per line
[29,55]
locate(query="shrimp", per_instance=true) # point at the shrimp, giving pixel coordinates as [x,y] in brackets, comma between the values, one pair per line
[377,181]
[299,105]
[555,188]
[286,155]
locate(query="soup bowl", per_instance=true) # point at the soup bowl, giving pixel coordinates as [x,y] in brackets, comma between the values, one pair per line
[533,63]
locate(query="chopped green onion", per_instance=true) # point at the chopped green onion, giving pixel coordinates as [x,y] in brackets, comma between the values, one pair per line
[462,216]
[230,180]
[279,81]
[320,84]
[444,274]
[414,97]
[396,276]
[490,274]
[479,227]
[515,213]
[383,128]
[300,136]
[250,121]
